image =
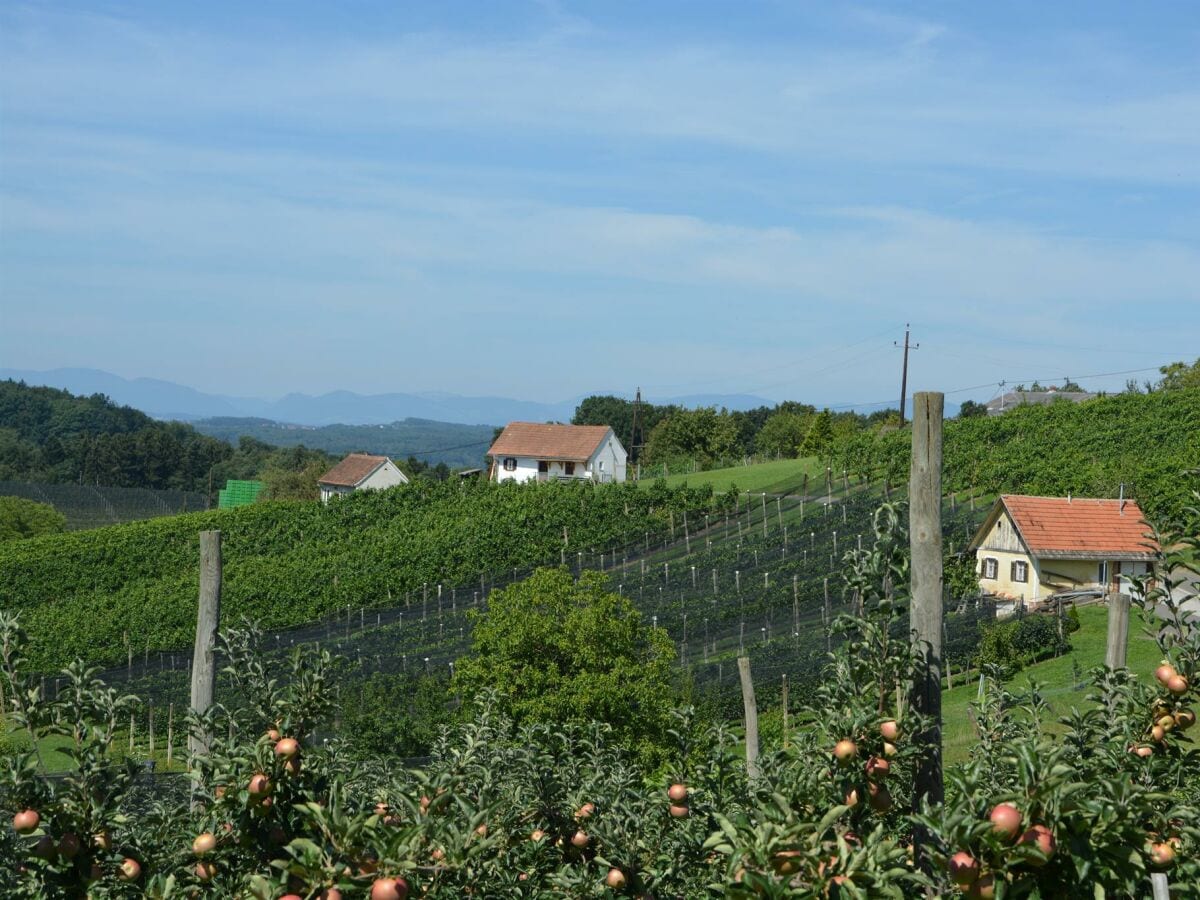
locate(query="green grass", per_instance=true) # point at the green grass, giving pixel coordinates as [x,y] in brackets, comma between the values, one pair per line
[1056,676]
[54,751]
[779,477]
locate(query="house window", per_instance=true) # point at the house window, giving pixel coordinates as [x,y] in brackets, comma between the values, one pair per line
[1020,571]
[543,466]
[990,567]
[569,468]
[510,464]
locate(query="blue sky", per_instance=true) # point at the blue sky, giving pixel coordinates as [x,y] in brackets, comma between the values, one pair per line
[540,199]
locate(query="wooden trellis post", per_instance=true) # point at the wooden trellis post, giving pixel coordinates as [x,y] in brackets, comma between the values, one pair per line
[751,710]
[925,542]
[208,620]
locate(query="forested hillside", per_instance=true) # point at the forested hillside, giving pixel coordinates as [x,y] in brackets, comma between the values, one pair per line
[53,436]
[288,563]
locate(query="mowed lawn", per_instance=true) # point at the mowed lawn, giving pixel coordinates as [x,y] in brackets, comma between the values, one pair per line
[1056,677]
[779,477]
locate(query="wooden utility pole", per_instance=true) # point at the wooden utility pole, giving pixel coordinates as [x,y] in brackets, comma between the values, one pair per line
[925,542]
[208,620]
[751,709]
[904,370]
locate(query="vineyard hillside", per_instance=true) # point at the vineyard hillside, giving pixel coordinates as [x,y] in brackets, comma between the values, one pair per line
[1143,441]
[103,594]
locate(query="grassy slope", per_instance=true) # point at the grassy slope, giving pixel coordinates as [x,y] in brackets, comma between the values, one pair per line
[781,476]
[1055,675]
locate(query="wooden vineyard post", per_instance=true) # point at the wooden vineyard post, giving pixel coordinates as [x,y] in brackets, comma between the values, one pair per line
[785,713]
[1118,631]
[208,620]
[170,733]
[925,542]
[751,709]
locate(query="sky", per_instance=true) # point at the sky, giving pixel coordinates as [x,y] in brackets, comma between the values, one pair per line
[546,199]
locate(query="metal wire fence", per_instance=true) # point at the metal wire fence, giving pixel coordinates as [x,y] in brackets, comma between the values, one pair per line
[763,580]
[88,506]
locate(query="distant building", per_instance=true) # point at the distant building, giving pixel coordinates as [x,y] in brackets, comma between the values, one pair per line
[526,451]
[1005,402]
[1031,547]
[360,472]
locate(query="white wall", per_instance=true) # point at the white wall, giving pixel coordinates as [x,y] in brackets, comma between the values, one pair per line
[527,469]
[385,476]
[613,457]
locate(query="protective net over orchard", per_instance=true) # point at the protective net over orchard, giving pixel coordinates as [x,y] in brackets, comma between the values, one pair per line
[764,580]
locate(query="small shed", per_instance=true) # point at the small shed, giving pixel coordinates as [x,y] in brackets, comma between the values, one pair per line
[360,472]
[1031,547]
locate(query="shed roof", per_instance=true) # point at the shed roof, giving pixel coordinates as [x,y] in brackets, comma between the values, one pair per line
[569,442]
[1076,527]
[353,470]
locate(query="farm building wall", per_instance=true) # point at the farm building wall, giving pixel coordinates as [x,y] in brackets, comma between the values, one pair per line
[386,476]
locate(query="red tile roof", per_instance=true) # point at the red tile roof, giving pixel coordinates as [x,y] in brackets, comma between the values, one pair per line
[569,442]
[1080,527]
[353,470]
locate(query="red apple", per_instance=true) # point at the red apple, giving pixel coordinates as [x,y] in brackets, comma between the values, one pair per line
[1162,854]
[1177,684]
[845,751]
[537,835]
[45,848]
[984,888]
[1185,719]
[580,839]
[287,747]
[890,729]
[877,767]
[206,870]
[879,799]
[68,845]
[260,786]
[1165,673]
[964,869]
[129,870]
[1006,821]
[1042,838]
[26,821]
[677,793]
[787,862]
[389,889]
[615,879]
[680,810]
[204,843]
[585,811]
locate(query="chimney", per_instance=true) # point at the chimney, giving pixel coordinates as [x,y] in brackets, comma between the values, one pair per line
[1121,497]
[1068,496]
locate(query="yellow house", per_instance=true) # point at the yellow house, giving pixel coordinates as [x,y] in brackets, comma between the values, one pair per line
[1031,547]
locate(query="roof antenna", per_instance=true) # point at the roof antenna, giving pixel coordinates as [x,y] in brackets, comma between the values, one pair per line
[1122,498]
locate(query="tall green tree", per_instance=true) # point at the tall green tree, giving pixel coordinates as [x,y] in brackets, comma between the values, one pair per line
[819,439]
[782,433]
[701,434]
[559,650]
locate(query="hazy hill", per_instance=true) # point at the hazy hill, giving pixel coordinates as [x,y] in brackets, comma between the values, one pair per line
[167,400]
[458,446]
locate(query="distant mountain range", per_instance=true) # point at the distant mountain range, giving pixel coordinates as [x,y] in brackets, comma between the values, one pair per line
[168,400]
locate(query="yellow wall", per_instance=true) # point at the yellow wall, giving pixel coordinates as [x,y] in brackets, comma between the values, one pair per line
[1003,583]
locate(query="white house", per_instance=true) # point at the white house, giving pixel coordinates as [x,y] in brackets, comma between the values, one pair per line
[527,451]
[360,472]
[1031,547]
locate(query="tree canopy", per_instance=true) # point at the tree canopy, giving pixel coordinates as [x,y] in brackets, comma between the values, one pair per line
[559,650]
[21,518]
